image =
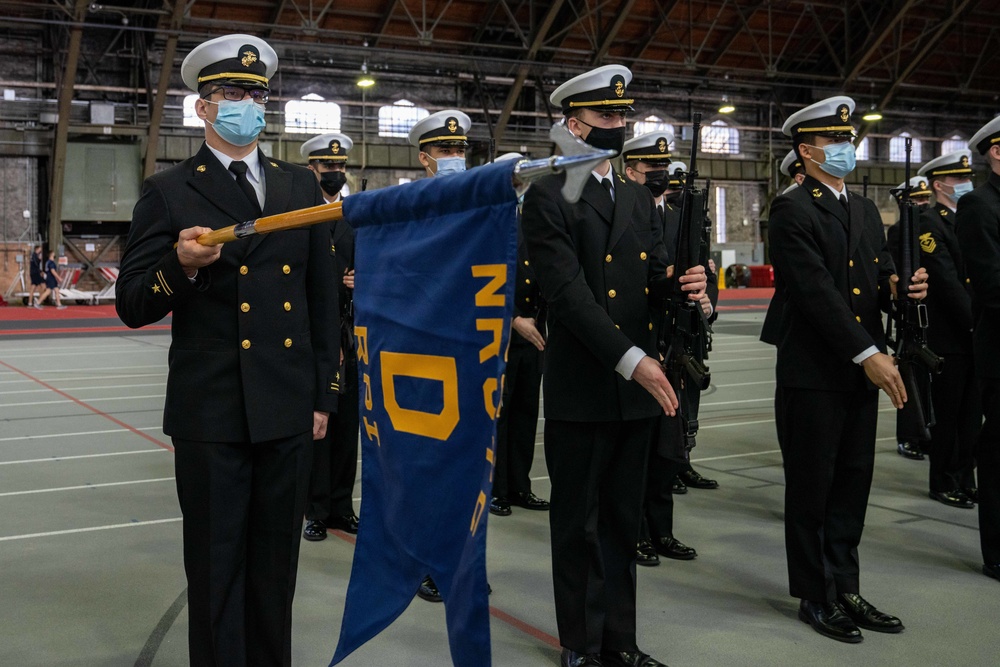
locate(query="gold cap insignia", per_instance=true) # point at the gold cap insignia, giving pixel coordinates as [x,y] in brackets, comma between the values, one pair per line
[200,168]
[927,243]
[923,185]
[335,147]
[661,145]
[845,115]
[618,85]
[965,160]
[249,58]
[816,193]
[452,125]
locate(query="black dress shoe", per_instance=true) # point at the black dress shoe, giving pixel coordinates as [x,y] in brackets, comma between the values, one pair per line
[677,486]
[830,621]
[573,659]
[992,570]
[530,501]
[695,480]
[347,523]
[629,659]
[645,554]
[952,499]
[314,531]
[973,493]
[910,450]
[429,591]
[671,548]
[866,616]
[500,507]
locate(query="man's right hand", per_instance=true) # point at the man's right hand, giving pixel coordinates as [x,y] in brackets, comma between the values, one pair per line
[649,374]
[881,370]
[526,327]
[191,254]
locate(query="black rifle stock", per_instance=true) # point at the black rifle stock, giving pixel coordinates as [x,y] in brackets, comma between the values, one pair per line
[686,335]
[906,329]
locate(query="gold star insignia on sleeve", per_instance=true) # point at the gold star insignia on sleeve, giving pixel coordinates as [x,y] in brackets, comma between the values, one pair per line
[156,289]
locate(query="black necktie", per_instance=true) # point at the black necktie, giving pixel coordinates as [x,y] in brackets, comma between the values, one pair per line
[843,202]
[606,182]
[239,167]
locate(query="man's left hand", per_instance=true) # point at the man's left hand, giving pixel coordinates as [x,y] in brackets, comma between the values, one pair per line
[320,420]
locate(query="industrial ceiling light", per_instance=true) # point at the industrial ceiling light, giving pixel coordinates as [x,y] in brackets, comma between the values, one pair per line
[365,80]
[726,106]
[872,115]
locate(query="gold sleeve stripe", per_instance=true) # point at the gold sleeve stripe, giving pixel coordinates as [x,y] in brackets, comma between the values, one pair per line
[163,282]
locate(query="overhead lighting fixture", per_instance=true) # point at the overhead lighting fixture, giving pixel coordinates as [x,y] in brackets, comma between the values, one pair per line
[872,115]
[726,106]
[365,80]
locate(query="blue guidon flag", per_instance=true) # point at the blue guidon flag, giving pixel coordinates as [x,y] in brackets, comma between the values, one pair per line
[433,301]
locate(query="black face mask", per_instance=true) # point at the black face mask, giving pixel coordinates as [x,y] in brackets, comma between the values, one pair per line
[923,207]
[606,138]
[656,182]
[332,182]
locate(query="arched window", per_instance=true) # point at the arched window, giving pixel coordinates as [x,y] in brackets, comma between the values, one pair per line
[398,118]
[312,115]
[953,144]
[651,124]
[720,138]
[897,149]
[190,117]
[862,150]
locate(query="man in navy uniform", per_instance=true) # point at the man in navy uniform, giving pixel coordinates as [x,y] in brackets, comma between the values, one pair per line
[647,158]
[792,167]
[599,262]
[441,139]
[335,457]
[954,393]
[518,420]
[833,274]
[978,229]
[253,355]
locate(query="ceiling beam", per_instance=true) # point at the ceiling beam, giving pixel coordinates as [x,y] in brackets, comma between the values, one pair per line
[655,30]
[390,9]
[524,68]
[735,31]
[892,18]
[166,70]
[624,9]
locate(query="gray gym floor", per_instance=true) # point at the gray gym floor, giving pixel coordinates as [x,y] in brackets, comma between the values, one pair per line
[90,536]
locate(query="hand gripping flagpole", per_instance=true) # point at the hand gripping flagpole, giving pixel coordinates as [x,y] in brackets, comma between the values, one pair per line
[578,159]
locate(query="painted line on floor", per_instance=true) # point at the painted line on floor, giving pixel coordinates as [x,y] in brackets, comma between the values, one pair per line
[82,404]
[105,386]
[86,486]
[73,330]
[742,384]
[74,531]
[52,459]
[712,362]
[79,433]
[152,644]
[71,399]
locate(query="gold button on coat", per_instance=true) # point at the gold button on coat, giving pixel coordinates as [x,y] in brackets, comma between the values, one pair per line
[288,306]
[526,262]
[856,290]
[876,260]
[857,317]
[612,293]
[608,259]
[647,290]
[650,326]
[244,270]
[851,263]
[527,281]
[642,255]
[286,269]
[288,342]
[245,307]
[246,344]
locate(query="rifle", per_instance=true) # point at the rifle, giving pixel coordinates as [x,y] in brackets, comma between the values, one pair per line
[688,329]
[907,327]
[864,186]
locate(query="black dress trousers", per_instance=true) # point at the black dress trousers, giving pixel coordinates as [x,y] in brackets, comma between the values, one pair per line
[518,419]
[958,411]
[988,459]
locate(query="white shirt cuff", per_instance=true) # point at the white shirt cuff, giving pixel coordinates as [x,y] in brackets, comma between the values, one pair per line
[626,365]
[869,352]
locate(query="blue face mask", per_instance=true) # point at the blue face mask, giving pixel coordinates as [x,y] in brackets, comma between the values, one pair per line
[239,123]
[449,165]
[960,189]
[840,159]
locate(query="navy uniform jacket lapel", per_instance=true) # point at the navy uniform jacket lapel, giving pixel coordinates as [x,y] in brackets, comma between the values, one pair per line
[217,185]
[855,228]
[597,197]
[624,204]
[826,200]
[277,188]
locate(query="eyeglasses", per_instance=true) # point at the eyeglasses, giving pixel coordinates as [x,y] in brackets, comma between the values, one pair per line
[235,94]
